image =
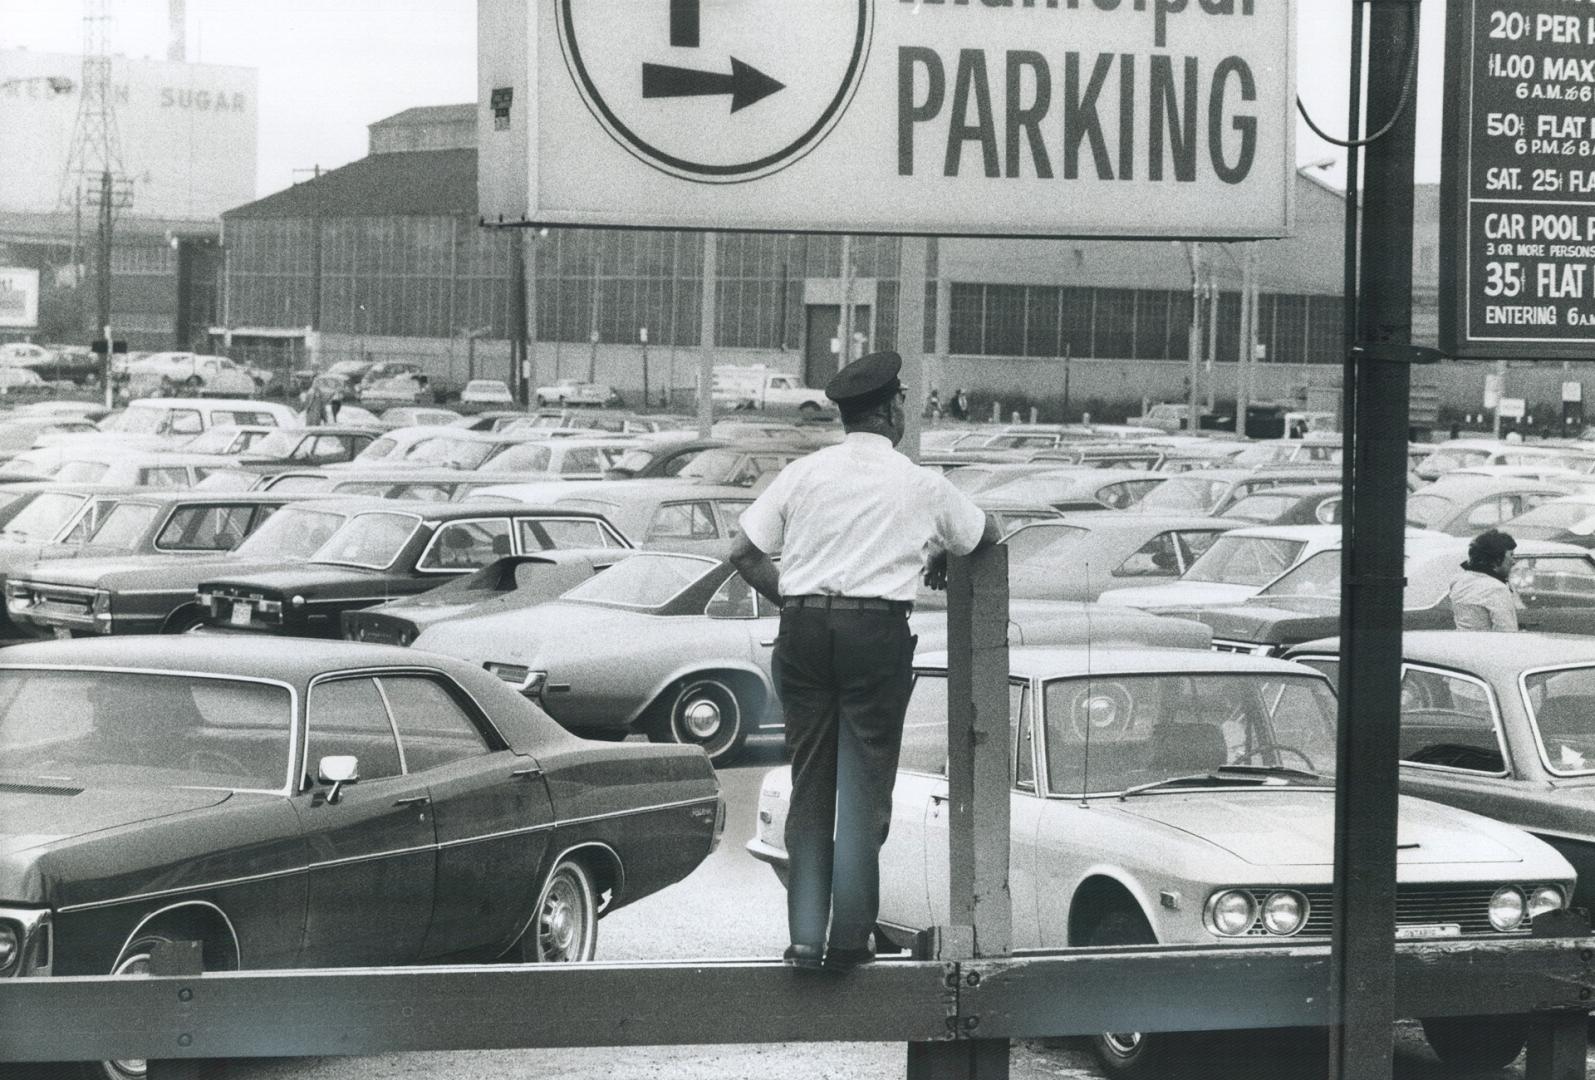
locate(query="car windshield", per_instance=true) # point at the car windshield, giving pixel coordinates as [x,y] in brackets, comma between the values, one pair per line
[137,421]
[531,457]
[642,581]
[636,460]
[43,518]
[454,453]
[1318,575]
[379,448]
[94,728]
[1042,543]
[371,540]
[1109,734]
[1443,461]
[1261,508]
[125,525]
[1562,707]
[293,533]
[1042,488]
[1424,509]
[276,444]
[1184,493]
[1245,560]
[717,465]
[218,440]
[1556,515]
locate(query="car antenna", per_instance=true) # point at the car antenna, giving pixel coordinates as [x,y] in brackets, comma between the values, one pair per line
[1085,761]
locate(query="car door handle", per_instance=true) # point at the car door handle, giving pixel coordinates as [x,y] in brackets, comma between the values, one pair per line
[529,773]
[413,800]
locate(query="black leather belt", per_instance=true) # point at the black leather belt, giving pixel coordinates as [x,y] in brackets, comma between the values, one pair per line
[848,603]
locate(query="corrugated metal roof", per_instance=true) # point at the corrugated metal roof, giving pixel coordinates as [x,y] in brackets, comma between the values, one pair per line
[420,182]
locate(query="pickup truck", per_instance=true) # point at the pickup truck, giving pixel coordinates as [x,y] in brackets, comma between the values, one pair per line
[757,387]
[575,392]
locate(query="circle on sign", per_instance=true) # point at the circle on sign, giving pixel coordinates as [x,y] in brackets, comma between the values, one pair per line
[693,110]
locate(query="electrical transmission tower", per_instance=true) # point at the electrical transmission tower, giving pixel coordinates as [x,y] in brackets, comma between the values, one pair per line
[94,172]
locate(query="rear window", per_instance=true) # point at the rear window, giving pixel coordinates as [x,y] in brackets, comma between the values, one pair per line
[205,528]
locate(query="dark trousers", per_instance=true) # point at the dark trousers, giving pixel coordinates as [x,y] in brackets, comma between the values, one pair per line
[844,678]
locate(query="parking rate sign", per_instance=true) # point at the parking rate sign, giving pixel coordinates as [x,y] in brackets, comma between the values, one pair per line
[1518,183]
[974,117]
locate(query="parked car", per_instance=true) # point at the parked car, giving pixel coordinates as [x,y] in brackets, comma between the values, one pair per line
[1234,566]
[107,463]
[1315,504]
[401,389]
[214,375]
[659,456]
[1167,417]
[515,581]
[1080,555]
[18,434]
[390,448]
[49,521]
[154,593]
[1323,449]
[199,789]
[1460,453]
[1116,455]
[1501,726]
[678,647]
[562,459]
[153,422]
[575,392]
[1555,582]
[228,440]
[381,554]
[1164,798]
[1467,505]
[486,392]
[1212,491]
[1035,437]
[326,444]
[415,416]
[1569,519]
[1078,488]
[754,386]
[667,515]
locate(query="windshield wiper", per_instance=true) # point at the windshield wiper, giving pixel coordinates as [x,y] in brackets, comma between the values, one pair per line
[1193,778]
[1271,770]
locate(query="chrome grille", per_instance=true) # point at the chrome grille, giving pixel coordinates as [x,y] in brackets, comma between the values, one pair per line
[1468,906]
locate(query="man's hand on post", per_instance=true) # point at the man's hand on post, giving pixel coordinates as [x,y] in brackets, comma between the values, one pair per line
[936,572]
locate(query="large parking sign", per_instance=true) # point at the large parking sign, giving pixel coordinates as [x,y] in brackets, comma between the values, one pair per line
[1018,117]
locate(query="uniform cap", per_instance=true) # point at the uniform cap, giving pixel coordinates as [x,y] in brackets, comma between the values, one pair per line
[866,381]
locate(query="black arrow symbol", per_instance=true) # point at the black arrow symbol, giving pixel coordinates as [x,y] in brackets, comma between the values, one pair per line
[745,84]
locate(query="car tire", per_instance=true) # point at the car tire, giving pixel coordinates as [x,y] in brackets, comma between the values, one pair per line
[564,926]
[183,620]
[1131,1054]
[1476,1042]
[809,409]
[707,713]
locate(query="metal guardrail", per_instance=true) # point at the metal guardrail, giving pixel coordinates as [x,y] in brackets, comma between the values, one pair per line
[955,1008]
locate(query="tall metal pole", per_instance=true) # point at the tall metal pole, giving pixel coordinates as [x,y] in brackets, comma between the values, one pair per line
[1362,975]
[913,257]
[844,328]
[1193,341]
[711,277]
[518,317]
[1243,337]
[102,270]
[1212,341]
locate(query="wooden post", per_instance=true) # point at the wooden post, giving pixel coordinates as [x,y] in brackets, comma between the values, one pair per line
[913,255]
[980,909]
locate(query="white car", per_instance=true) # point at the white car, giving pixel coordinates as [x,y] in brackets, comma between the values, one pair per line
[574,392]
[487,392]
[1235,566]
[1169,797]
[214,374]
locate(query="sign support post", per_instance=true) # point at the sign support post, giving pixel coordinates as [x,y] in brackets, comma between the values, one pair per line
[1362,962]
[711,280]
[912,260]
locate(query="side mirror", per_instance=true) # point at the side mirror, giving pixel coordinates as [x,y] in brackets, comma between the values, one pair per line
[338,770]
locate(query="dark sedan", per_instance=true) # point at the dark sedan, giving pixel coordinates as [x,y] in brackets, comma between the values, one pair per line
[347,805]
[398,550]
[1555,582]
[1502,725]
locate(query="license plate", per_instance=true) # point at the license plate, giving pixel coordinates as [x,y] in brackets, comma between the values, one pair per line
[1425,933]
[62,633]
[241,614]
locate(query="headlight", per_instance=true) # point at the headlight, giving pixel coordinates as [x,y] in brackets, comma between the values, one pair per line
[10,947]
[1284,912]
[1506,908]
[1544,898]
[1231,913]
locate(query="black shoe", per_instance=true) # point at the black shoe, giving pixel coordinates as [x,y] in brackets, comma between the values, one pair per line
[848,959]
[807,957]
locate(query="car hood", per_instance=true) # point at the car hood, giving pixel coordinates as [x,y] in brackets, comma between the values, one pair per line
[35,816]
[1179,594]
[523,634]
[1294,826]
[299,577]
[1281,620]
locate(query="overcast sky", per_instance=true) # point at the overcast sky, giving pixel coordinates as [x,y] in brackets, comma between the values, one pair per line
[330,67]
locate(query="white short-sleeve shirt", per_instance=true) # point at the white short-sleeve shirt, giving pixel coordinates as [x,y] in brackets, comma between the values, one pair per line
[860,519]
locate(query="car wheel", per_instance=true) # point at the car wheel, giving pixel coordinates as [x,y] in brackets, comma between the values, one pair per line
[1130,1053]
[809,408]
[542,402]
[1476,1042]
[193,382]
[565,928]
[182,621]
[708,713]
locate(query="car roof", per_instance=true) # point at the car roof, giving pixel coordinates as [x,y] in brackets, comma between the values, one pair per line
[1326,533]
[1043,662]
[1113,521]
[1481,649]
[1457,486]
[248,655]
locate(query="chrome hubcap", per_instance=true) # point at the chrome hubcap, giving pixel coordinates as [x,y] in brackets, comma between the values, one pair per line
[129,1068]
[703,718]
[1122,1043]
[561,929]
